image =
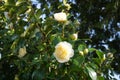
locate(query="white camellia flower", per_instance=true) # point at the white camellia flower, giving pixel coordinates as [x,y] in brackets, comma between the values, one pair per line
[22,52]
[63,52]
[61,17]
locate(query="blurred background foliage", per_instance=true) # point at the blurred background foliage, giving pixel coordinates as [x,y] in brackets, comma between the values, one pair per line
[30,24]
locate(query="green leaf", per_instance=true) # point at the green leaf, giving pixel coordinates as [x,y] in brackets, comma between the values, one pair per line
[37,75]
[100,78]
[97,61]
[92,73]
[100,54]
[81,47]
[93,65]
[38,14]
[56,39]
[11,2]
[91,49]
[79,60]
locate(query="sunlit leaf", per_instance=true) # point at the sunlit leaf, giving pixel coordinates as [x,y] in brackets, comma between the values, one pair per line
[100,78]
[92,73]
[100,54]
[91,49]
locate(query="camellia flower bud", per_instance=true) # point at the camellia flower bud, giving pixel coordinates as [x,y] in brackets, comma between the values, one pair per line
[22,52]
[104,57]
[18,3]
[109,55]
[74,36]
[86,51]
[28,11]
[61,17]
[63,52]
[81,53]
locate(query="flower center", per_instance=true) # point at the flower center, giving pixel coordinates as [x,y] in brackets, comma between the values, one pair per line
[61,52]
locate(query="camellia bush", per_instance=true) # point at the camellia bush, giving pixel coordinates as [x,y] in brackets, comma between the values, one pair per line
[38,44]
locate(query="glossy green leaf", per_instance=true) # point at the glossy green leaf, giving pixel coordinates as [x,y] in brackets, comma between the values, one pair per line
[92,73]
[100,78]
[91,49]
[100,54]
[56,39]
[37,75]
[79,60]
[81,47]
[97,61]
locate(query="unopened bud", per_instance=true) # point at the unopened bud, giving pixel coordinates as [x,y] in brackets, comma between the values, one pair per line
[109,55]
[18,3]
[28,11]
[104,57]
[81,53]
[74,36]
[86,51]
[22,52]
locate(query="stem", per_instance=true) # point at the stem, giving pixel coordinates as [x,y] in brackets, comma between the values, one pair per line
[63,31]
[86,39]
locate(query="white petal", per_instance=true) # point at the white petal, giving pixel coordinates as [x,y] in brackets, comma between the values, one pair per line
[63,52]
[60,16]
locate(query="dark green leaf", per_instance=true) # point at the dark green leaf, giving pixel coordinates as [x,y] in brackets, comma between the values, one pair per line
[37,75]
[81,47]
[79,60]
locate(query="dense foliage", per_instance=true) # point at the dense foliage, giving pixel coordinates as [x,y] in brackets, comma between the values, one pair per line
[29,33]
